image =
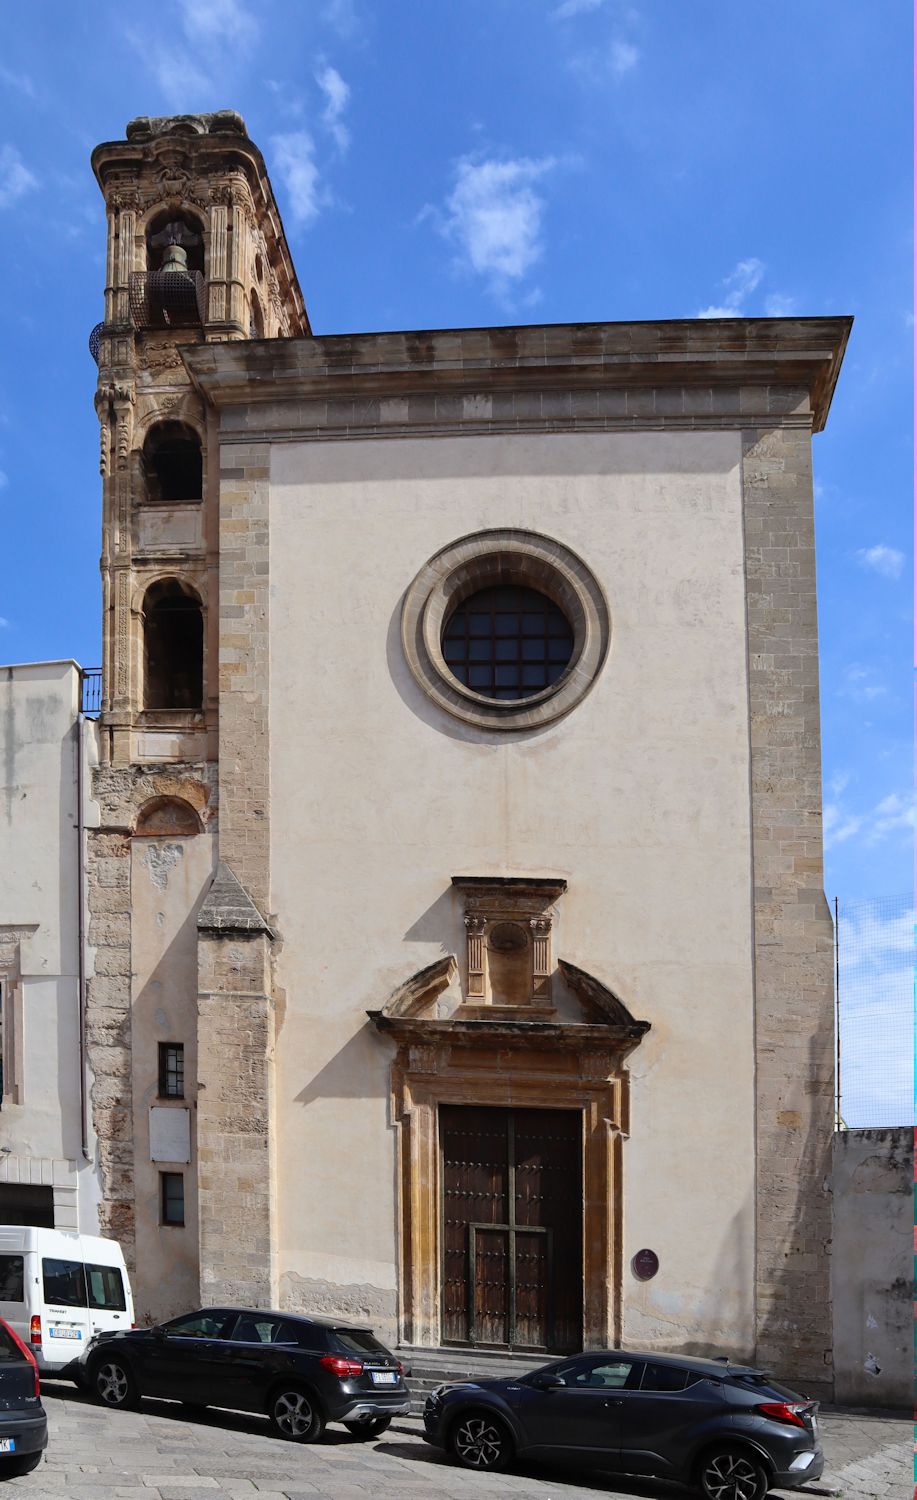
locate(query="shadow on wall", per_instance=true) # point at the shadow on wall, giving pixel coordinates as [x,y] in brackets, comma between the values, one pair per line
[353,1072]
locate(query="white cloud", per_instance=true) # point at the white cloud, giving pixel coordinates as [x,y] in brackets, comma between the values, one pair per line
[337,94]
[218,23]
[494,217]
[893,814]
[294,160]
[862,684]
[20,81]
[570,8]
[777,306]
[15,178]
[213,39]
[742,281]
[622,57]
[342,16]
[4,480]
[887,561]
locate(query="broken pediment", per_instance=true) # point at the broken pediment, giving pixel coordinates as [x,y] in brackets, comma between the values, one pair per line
[422,990]
[600,1003]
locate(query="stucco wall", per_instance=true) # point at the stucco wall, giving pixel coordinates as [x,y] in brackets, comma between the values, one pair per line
[639,798]
[872,1272]
[39,932]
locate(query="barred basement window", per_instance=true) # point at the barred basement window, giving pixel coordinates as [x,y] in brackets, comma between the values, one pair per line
[171,1070]
[172,1197]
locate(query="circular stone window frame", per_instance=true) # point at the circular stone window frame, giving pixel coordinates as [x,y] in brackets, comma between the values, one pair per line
[504,556]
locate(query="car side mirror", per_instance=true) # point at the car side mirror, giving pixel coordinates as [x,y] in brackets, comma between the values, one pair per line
[158,1331]
[547,1383]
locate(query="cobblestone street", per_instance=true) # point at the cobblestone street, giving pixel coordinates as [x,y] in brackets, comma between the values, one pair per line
[159,1454]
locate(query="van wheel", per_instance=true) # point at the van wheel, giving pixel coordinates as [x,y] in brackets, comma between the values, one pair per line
[113,1384]
[732,1473]
[295,1415]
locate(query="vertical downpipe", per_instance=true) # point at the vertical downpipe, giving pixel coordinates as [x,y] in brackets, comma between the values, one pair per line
[837,1018]
[81,920]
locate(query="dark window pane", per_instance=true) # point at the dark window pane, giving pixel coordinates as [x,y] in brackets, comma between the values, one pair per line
[556,670]
[356,1341]
[506,626]
[533,676]
[663,1378]
[10,1352]
[304,1335]
[171,1070]
[197,1325]
[173,1197]
[106,1288]
[64,1282]
[12,1281]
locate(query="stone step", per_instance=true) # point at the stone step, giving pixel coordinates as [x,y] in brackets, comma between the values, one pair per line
[432,1367]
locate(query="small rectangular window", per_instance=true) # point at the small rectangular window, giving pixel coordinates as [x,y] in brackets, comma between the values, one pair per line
[64,1282]
[106,1288]
[12,1278]
[171,1070]
[172,1197]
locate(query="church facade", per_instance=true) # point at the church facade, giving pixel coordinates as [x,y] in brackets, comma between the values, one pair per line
[461,958]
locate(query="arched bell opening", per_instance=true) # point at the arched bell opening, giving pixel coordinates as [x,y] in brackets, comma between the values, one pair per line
[171,231]
[173,647]
[172,461]
[256,318]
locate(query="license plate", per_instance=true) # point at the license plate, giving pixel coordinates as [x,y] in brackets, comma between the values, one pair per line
[7,1445]
[65,1333]
[384,1377]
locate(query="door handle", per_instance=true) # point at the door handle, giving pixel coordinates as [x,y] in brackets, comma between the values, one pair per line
[618,1402]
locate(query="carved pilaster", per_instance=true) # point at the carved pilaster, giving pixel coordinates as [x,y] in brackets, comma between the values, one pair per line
[475,924]
[542,962]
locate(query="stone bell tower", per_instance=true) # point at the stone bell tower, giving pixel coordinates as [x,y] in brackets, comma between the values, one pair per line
[196,254]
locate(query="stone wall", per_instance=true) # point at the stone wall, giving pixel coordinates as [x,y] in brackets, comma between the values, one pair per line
[794,1025]
[872,1276]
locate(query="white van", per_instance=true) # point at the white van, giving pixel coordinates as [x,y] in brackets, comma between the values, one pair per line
[59,1289]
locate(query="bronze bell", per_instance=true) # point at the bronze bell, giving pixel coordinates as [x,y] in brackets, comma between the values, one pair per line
[175,260]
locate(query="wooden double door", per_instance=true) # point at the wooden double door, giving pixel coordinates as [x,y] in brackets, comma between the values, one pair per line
[512,1227]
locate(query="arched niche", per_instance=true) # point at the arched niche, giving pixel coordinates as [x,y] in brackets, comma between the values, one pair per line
[173,646]
[174,227]
[256,318]
[167,817]
[172,461]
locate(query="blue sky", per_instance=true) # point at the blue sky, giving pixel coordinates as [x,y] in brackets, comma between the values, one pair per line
[492,161]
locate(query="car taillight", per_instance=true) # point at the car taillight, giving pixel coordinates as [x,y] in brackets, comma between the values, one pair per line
[35,1331]
[26,1351]
[340,1366]
[400,1368]
[784,1411]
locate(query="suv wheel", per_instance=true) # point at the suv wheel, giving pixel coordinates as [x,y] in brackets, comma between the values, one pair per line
[113,1383]
[371,1429]
[481,1441]
[295,1415]
[730,1473]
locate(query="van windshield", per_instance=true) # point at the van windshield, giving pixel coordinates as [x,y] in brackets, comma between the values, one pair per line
[106,1288]
[64,1282]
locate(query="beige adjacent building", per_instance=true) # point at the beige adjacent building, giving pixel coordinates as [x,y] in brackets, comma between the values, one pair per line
[461,959]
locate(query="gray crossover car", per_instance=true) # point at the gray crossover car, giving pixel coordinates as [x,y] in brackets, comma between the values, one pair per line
[730,1430]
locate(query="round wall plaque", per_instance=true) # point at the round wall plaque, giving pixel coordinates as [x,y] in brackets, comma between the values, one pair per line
[645,1264]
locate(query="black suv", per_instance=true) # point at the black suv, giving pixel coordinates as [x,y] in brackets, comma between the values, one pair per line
[301,1372]
[726,1428]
